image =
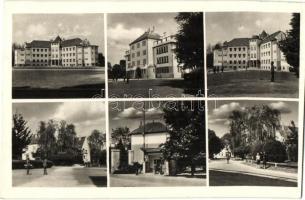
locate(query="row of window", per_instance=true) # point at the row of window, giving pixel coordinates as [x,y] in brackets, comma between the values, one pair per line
[239,55]
[237,62]
[162,49]
[163,59]
[139,54]
[162,70]
[68,48]
[40,50]
[68,54]
[239,48]
[267,53]
[253,48]
[40,60]
[139,63]
[253,55]
[138,44]
[40,55]
[267,45]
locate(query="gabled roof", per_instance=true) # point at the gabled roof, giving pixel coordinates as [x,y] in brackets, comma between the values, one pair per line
[263,34]
[271,37]
[237,42]
[147,35]
[39,44]
[71,42]
[152,127]
[57,39]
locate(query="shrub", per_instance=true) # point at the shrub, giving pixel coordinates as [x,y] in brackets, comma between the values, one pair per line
[241,151]
[276,151]
[19,164]
[257,147]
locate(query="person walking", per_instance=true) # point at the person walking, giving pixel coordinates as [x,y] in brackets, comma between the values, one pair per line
[45,166]
[258,159]
[228,155]
[27,165]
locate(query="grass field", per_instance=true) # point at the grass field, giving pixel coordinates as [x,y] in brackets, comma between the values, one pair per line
[153,88]
[253,84]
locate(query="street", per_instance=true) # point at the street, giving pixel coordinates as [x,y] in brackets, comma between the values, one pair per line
[152,180]
[75,176]
[238,174]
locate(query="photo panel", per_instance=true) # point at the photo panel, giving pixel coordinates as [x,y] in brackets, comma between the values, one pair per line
[253,143]
[62,145]
[153,55]
[253,54]
[157,143]
[58,56]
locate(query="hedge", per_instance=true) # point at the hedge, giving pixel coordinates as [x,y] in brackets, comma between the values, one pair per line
[19,164]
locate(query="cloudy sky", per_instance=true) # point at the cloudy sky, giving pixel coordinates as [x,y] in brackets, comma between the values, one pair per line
[28,27]
[222,27]
[219,112]
[86,116]
[130,114]
[124,28]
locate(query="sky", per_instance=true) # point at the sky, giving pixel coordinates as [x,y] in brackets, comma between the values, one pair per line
[124,28]
[86,116]
[28,27]
[222,27]
[130,114]
[219,111]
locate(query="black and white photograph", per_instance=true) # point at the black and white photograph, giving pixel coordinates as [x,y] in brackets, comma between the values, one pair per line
[253,143]
[58,56]
[253,54]
[59,144]
[153,55]
[157,143]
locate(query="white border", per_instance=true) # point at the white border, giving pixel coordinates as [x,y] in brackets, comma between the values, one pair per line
[135,6]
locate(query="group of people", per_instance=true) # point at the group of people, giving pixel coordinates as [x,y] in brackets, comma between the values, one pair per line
[261,157]
[28,166]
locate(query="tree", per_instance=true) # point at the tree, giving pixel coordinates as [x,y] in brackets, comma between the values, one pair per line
[46,138]
[138,73]
[121,135]
[291,142]
[291,45]
[21,136]
[97,140]
[215,144]
[189,49]
[186,141]
[66,137]
[101,59]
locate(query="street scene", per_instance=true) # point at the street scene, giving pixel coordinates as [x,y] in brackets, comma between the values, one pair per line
[58,56]
[253,54]
[59,148]
[155,144]
[155,55]
[253,143]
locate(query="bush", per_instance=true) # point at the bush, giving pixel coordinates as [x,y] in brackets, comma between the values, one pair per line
[276,151]
[257,147]
[19,164]
[66,159]
[241,151]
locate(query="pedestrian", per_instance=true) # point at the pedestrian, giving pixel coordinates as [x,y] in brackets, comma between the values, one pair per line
[228,155]
[127,81]
[214,69]
[27,165]
[272,71]
[217,69]
[222,68]
[45,166]
[258,159]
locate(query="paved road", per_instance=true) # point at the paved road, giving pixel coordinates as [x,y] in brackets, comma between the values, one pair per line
[237,173]
[76,176]
[152,180]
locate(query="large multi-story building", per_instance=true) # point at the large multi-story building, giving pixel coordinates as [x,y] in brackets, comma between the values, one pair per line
[252,53]
[153,55]
[57,53]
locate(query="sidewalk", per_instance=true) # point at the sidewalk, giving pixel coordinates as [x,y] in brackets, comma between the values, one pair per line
[239,167]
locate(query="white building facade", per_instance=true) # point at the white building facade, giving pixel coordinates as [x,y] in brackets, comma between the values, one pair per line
[57,53]
[257,52]
[153,56]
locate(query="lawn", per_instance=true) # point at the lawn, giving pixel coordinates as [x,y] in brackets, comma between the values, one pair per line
[153,88]
[218,178]
[253,84]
